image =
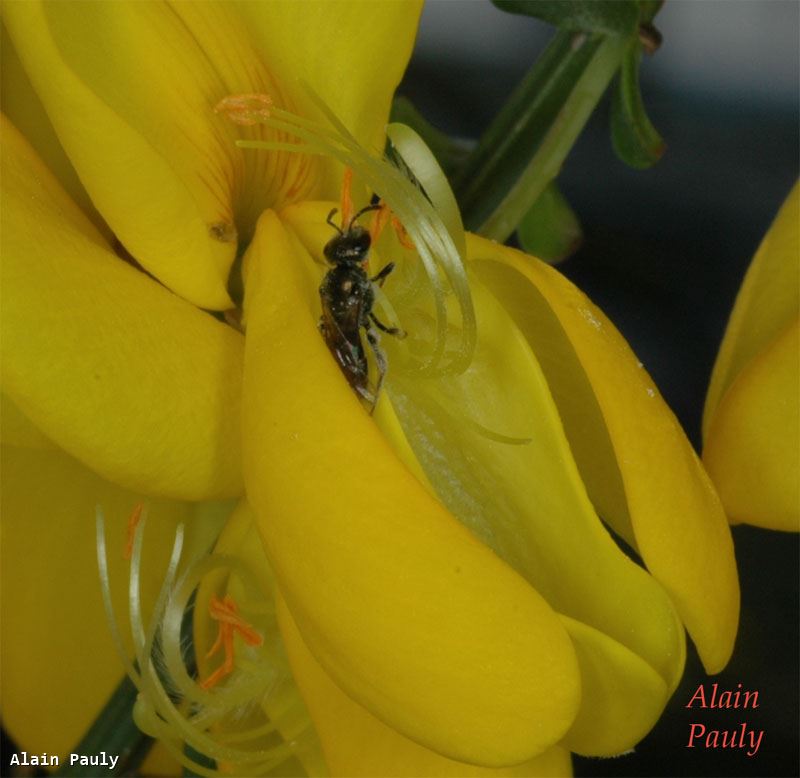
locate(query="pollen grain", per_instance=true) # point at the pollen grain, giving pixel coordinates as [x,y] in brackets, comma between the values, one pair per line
[245,109]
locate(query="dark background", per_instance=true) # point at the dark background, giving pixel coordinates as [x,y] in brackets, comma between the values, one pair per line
[664,253]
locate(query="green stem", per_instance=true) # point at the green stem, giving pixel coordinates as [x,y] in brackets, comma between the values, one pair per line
[498,160]
[114,733]
[546,163]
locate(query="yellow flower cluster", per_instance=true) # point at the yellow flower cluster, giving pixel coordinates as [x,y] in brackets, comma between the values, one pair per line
[449,581]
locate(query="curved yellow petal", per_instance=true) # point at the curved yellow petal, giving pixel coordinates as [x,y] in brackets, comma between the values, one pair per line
[59,664]
[140,129]
[767,302]
[139,385]
[357,744]
[492,444]
[753,445]
[623,696]
[407,611]
[351,54]
[20,103]
[16,429]
[524,498]
[639,469]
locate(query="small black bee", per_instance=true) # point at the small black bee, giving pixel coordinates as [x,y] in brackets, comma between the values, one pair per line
[347,297]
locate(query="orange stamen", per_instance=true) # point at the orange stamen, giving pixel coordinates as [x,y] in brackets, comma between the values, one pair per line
[380,220]
[382,217]
[226,612]
[347,198]
[401,233]
[133,523]
[378,223]
[245,109]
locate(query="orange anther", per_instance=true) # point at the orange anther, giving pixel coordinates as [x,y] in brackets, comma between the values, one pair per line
[383,216]
[226,613]
[245,109]
[378,223]
[133,523]
[401,233]
[347,198]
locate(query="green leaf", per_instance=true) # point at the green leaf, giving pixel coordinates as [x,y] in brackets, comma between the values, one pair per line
[550,229]
[450,152]
[636,142]
[610,17]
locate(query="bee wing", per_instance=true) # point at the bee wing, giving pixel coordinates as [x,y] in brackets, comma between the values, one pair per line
[344,342]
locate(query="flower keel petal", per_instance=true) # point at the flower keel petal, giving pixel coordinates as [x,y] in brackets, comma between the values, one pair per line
[357,744]
[411,616]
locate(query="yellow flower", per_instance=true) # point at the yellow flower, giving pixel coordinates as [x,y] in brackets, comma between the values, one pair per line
[419,644]
[751,421]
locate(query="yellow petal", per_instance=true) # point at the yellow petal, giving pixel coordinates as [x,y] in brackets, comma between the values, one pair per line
[140,130]
[407,611]
[21,104]
[750,425]
[59,664]
[753,445]
[767,302]
[136,383]
[622,695]
[16,429]
[524,498]
[351,54]
[357,744]
[639,469]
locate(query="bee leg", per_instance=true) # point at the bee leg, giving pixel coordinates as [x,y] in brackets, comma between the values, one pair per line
[371,398]
[396,331]
[380,361]
[381,276]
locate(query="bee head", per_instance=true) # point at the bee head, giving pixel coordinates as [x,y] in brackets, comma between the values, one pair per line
[348,247]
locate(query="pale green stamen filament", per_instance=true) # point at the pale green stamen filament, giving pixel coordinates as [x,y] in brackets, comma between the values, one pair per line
[229,724]
[440,246]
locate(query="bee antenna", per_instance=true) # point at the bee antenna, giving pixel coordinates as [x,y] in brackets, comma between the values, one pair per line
[329,220]
[365,209]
